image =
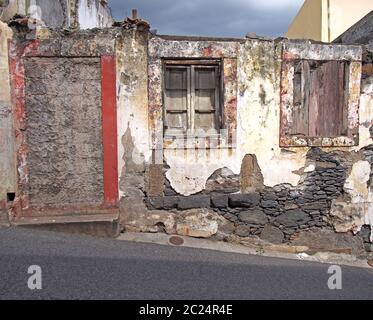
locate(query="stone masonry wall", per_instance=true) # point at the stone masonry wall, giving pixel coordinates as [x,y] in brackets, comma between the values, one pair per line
[64,131]
[283,208]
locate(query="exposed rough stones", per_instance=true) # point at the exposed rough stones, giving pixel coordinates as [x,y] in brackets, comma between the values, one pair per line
[248,200]
[289,209]
[223,181]
[253,217]
[364,234]
[199,223]
[272,234]
[243,231]
[148,221]
[330,241]
[219,201]
[155,180]
[351,216]
[198,201]
[251,176]
[262,246]
[293,218]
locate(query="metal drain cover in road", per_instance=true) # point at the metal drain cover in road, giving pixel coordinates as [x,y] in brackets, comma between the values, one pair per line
[176,241]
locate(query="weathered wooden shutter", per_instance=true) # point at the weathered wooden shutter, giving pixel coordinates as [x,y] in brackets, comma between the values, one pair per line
[206,99]
[320,99]
[176,95]
[300,102]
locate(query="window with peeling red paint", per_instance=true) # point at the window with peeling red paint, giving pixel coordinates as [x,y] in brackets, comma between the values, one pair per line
[320,99]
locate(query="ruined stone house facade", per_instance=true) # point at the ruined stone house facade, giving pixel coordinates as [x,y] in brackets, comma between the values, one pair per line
[204,137]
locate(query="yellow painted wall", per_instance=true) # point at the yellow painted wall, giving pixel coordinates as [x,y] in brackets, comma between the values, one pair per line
[345,13]
[325,20]
[307,23]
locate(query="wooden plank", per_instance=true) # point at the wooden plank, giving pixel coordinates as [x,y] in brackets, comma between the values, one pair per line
[346,98]
[205,100]
[189,96]
[313,105]
[218,109]
[176,120]
[183,62]
[176,100]
[300,99]
[331,99]
[176,78]
[205,121]
[205,78]
[192,97]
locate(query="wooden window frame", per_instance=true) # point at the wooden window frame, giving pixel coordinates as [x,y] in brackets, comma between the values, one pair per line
[162,48]
[191,66]
[292,54]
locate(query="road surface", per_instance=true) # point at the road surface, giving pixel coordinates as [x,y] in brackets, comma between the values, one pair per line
[83,267]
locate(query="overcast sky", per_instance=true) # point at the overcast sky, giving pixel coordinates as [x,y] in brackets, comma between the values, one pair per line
[227,18]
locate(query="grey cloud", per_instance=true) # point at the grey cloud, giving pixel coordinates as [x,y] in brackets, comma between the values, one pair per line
[232,18]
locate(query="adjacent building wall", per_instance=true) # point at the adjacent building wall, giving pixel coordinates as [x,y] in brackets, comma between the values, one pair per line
[308,22]
[361,32]
[325,20]
[345,13]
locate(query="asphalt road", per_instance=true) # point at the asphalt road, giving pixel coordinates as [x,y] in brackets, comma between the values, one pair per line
[81,267]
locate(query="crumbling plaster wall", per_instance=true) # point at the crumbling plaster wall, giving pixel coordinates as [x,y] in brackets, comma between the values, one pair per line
[134,150]
[258,119]
[259,65]
[7,160]
[357,211]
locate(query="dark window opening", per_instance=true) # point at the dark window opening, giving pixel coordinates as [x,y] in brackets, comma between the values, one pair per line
[192,95]
[320,100]
[10,196]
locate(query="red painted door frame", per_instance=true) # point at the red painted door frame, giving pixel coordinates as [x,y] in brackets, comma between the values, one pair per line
[21,207]
[109,128]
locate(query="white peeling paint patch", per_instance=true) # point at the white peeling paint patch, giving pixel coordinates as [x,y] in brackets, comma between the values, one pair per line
[310,168]
[366,120]
[132,101]
[190,169]
[356,184]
